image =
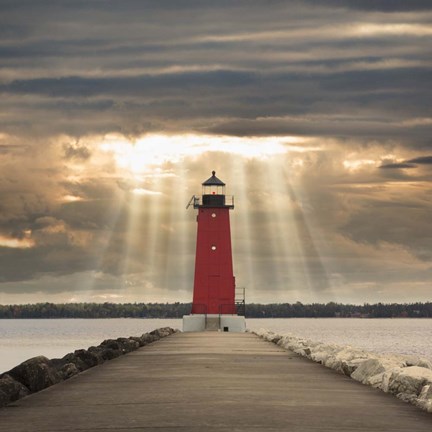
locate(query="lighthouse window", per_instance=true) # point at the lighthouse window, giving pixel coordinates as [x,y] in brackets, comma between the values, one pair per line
[213,215]
[213,247]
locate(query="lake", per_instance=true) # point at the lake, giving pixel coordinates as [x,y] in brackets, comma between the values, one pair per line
[21,339]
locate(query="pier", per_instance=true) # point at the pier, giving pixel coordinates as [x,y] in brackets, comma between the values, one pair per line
[211,382]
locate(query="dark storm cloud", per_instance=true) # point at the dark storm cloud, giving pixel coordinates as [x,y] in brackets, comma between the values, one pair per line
[146,66]
[411,163]
[426,160]
[362,82]
[398,165]
[76,151]
[78,86]
[246,96]
[378,5]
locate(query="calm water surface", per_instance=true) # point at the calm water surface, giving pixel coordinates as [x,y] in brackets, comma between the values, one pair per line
[396,336]
[23,339]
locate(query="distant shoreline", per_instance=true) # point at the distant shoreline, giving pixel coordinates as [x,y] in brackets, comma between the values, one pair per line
[177,310]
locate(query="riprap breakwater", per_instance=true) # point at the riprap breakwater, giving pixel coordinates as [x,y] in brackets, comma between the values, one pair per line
[39,372]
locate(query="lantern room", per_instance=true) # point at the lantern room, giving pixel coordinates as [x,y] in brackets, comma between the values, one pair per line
[213,195]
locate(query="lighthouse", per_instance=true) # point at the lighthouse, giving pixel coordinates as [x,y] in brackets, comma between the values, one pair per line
[214,305]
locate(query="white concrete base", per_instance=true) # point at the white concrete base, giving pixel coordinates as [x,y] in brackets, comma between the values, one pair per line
[193,323]
[229,323]
[233,323]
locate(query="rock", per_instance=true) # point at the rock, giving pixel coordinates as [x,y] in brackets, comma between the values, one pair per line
[320,356]
[139,340]
[11,390]
[82,359]
[112,344]
[98,352]
[127,344]
[88,357]
[148,338]
[372,371]
[424,400]
[72,358]
[68,370]
[409,382]
[36,373]
[342,359]
[163,332]
[417,361]
[109,354]
[348,367]
[155,335]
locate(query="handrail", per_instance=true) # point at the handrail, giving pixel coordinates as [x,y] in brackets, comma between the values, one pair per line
[231,309]
[192,200]
[240,300]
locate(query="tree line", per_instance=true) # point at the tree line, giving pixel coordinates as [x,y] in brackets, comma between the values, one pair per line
[254,310]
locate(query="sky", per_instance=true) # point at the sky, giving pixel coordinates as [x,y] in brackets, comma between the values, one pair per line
[316,114]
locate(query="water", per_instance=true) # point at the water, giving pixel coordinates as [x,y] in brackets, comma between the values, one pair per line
[387,336]
[23,339]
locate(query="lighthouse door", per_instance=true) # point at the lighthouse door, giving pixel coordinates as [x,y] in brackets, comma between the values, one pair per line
[213,294]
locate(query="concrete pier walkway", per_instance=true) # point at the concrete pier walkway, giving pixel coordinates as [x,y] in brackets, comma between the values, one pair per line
[211,382]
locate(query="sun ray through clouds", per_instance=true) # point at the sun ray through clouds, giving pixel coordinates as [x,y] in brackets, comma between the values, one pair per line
[242,231]
[309,243]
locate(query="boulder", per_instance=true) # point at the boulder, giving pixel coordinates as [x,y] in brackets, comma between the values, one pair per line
[148,338]
[112,345]
[407,383]
[139,340]
[345,359]
[68,370]
[98,352]
[424,400]
[155,335]
[127,344]
[82,359]
[11,390]
[372,370]
[164,331]
[89,358]
[320,356]
[417,361]
[36,373]
[109,354]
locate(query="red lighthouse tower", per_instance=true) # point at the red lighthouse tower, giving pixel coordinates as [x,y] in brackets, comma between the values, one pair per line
[214,303]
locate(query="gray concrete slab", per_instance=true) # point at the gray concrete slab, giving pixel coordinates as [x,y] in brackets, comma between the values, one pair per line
[215,382]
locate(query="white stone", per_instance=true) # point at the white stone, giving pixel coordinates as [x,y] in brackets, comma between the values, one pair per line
[417,361]
[424,401]
[409,380]
[372,367]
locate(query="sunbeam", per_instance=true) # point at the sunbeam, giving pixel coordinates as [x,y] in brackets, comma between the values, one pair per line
[310,241]
[86,288]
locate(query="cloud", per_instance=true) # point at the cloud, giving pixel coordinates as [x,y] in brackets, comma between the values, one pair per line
[398,165]
[379,5]
[76,151]
[426,160]
[314,219]
[411,163]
